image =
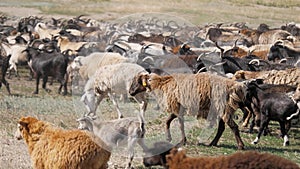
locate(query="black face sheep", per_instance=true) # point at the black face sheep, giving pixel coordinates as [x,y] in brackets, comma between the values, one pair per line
[169,156]
[54,148]
[128,130]
[200,94]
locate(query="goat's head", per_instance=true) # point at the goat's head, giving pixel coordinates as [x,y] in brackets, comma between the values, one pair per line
[277,51]
[85,123]
[296,96]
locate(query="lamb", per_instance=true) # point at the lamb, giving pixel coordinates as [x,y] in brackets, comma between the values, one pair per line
[109,80]
[126,130]
[51,147]
[287,76]
[200,94]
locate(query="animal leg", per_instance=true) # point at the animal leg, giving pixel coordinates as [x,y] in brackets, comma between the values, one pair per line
[221,128]
[140,98]
[45,79]
[112,98]
[131,143]
[263,124]
[37,85]
[168,122]
[284,134]
[235,129]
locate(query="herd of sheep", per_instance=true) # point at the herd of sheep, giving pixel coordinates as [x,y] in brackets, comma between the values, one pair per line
[201,71]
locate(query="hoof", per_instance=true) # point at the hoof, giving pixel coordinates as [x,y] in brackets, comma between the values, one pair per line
[286,143]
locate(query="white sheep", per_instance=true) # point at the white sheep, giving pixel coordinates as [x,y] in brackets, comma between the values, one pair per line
[128,130]
[109,80]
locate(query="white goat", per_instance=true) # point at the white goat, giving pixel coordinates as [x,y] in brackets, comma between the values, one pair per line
[130,130]
[17,55]
[109,80]
[45,32]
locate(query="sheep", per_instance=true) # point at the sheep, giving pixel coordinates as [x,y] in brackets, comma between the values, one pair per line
[200,94]
[126,130]
[89,64]
[51,147]
[169,156]
[246,160]
[287,76]
[109,80]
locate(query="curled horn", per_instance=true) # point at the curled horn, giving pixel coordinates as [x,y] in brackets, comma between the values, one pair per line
[222,50]
[283,60]
[202,69]
[253,61]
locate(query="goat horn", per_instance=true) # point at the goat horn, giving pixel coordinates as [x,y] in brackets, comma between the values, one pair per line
[253,61]
[283,60]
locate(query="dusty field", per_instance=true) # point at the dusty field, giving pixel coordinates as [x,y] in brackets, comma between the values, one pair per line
[63,111]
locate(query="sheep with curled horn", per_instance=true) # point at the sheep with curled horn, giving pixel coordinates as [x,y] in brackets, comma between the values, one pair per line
[201,94]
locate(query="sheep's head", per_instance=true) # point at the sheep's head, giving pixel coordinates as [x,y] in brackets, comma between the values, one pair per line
[139,84]
[157,154]
[29,127]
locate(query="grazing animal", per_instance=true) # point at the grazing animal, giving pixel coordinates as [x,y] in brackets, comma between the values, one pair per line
[109,80]
[272,106]
[246,160]
[171,157]
[128,130]
[51,147]
[199,94]
[4,63]
[287,76]
[45,64]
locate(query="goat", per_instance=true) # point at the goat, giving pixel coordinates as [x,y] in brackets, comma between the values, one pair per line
[45,64]
[279,51]
[272,106]
[51,147]
[4,63]
[197,94]
[126,130]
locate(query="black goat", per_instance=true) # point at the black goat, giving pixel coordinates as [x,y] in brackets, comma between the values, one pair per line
[272,106]
[279,51]
[4,63]
[45,64]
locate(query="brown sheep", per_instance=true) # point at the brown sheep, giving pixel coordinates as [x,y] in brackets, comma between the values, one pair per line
[203,95]
[54,148]
[287,76]
[246,160]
